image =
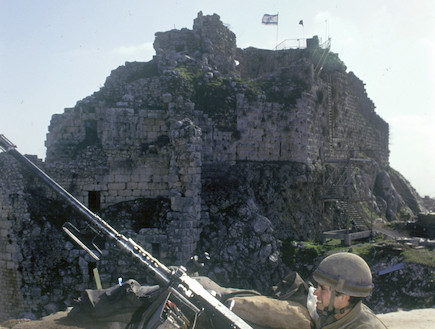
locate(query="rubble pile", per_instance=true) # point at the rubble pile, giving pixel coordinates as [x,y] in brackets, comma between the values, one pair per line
[245,251]
[410,286]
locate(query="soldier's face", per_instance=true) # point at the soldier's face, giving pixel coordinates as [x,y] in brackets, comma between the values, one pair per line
[323,294]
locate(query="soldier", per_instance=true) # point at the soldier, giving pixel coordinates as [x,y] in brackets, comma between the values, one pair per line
[344,279]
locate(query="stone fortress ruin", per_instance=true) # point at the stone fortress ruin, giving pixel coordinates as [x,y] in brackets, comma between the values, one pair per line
[207,147]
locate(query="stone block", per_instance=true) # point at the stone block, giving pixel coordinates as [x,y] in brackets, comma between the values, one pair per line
[116,186]
[10,265]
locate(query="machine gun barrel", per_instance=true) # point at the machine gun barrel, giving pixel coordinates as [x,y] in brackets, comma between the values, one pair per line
[178,280]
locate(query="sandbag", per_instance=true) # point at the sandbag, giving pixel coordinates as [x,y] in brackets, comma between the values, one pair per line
[293,288]
[116,303]
[272,313]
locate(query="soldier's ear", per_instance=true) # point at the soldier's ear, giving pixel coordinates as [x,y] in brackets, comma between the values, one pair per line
[341,300]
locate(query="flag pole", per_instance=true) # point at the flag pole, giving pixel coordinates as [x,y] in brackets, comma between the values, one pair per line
[276,43]
[301,22]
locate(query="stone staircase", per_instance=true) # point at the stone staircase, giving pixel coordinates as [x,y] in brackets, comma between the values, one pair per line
[357,222]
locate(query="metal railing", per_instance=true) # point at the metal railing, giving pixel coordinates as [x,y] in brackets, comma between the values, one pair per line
[300,43]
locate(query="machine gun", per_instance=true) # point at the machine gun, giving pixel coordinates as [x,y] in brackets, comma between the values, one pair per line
[189,296]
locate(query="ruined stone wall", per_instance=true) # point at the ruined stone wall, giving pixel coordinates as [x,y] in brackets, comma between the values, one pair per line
[13,208]
[185,187]
[218,43]
[37,268]
[128,155]
[255,63]
[209,42]
[268,131]
[335,117]
[42,271]
[356,126]
[118,153]
[271,132]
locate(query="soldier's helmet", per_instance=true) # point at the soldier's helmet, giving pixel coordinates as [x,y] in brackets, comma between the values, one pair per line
[345,273]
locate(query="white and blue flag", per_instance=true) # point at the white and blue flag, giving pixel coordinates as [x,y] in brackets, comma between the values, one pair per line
[270,19]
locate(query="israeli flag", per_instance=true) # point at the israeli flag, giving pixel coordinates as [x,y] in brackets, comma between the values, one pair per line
[270,19]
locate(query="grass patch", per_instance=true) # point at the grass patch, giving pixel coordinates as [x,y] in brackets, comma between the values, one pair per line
[302,255]
[190,74]
[364,250]
[419,256]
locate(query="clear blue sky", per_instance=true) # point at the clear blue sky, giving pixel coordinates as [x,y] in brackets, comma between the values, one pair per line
[54,53]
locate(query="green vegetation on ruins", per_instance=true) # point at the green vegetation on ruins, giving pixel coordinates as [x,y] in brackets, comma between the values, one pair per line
[304,256]
[423,256]
[218,85]
[215,94]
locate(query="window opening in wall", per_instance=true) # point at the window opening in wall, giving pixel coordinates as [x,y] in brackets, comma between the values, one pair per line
[155,249]
[94,200]
[91,131]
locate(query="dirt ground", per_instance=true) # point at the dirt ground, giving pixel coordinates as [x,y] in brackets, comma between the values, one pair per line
[58,321]
[415,319]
